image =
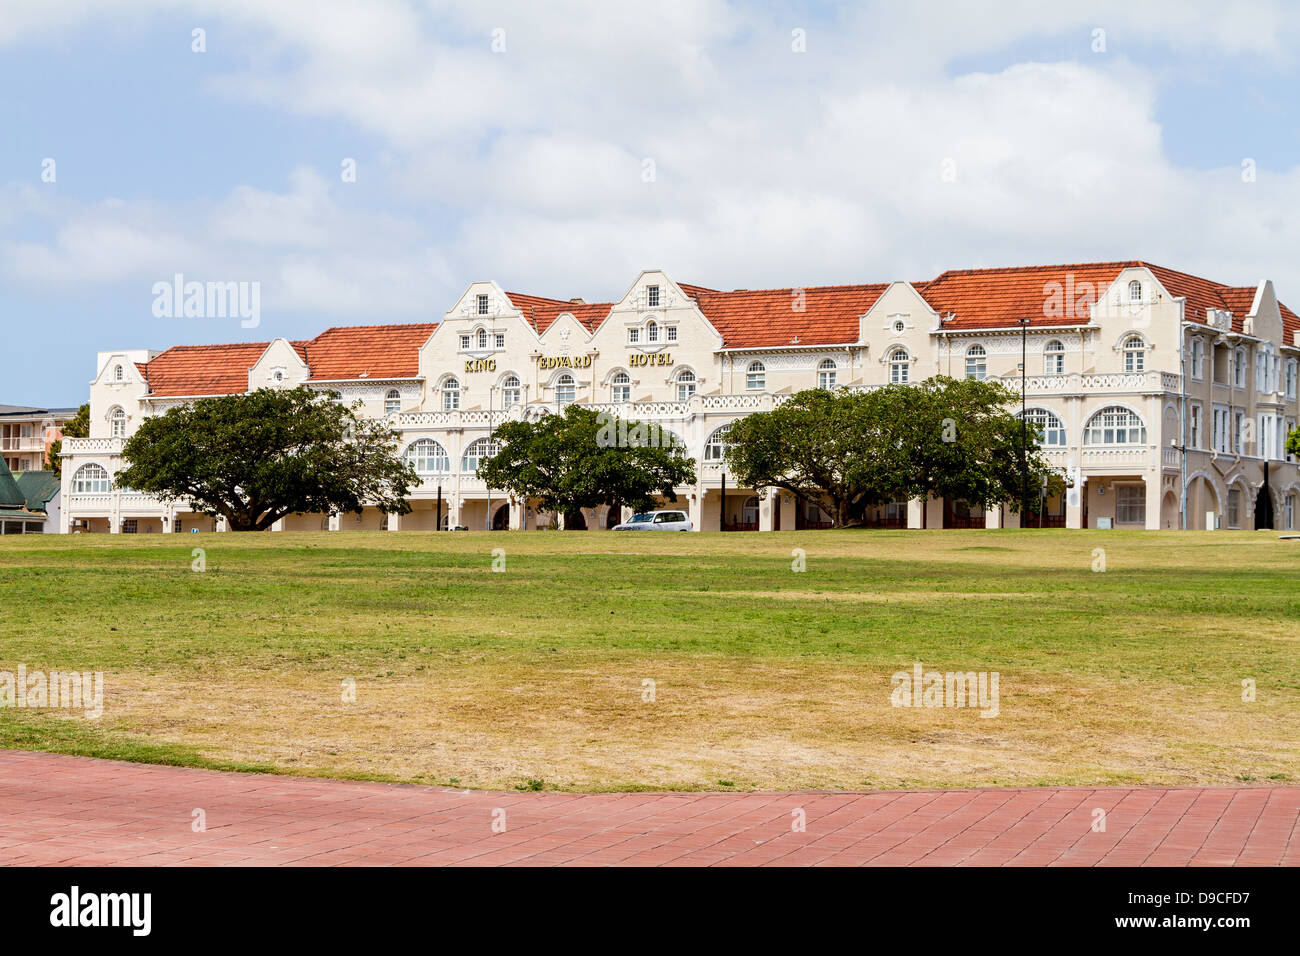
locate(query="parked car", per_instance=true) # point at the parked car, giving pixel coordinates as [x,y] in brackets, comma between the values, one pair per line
[657,521]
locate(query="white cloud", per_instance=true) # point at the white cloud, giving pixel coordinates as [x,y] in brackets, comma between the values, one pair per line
[772,167]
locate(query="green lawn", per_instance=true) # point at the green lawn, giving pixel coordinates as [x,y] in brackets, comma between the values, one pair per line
[763,677]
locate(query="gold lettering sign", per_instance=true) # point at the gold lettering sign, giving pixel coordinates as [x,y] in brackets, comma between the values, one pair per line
[657,358]
[480,365]
[548,362]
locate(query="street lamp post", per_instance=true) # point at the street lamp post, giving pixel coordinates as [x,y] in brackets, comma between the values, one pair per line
[1024,424]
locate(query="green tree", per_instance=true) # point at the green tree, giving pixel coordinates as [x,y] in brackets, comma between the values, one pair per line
[941,438]
[582,459]
[78,426]
[1293,442]
[817,445]
[959,439]
[255,458]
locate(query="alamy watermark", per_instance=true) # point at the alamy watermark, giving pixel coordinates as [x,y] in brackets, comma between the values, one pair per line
[70,690]
[922,688]
[179,299]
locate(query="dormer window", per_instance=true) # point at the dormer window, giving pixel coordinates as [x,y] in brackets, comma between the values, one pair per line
[483,304]
[1135,291]
[652,296]
[652,332]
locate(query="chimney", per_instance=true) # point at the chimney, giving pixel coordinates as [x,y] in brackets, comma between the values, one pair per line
[577,302]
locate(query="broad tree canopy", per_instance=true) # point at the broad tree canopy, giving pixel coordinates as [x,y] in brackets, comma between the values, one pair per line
[582,459]
[943,438]
[255,458]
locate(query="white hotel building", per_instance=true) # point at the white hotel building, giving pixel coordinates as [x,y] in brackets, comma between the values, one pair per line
[1160,394]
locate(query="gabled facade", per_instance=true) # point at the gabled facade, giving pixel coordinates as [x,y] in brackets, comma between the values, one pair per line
[1163,396]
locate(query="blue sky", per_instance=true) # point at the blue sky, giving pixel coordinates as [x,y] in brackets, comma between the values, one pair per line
[511,140]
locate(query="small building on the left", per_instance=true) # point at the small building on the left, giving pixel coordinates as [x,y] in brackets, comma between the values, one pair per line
[29,502]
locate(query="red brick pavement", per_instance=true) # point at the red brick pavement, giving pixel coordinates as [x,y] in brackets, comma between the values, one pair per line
[80,811]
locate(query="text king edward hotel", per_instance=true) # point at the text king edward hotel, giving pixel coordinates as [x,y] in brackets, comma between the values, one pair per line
[1129,363]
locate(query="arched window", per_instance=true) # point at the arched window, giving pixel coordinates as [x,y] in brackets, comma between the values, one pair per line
[511,394]
[756,375]
[566,392]
[451,394]
[1115,426]
[622,387]
[715,447]
[977,363]
[428,457]
[91,479]
[685,384]
[652,332]
[1054,358]
[826,374]
[1135,354]
[482,338]
[392,402]
[1239,368]
[118,374]
[1047,429]
[117,422]
[749,512]
[900,365]
[1135,291]
[479,449]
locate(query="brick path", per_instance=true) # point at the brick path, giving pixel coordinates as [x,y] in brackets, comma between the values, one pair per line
[75,810]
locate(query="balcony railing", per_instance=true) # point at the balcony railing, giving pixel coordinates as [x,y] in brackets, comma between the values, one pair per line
[91,446]
[1153,381]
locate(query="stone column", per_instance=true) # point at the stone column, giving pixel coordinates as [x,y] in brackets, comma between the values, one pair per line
[1152,482]
[766,503]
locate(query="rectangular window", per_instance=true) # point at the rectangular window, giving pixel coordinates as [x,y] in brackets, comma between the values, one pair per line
[1234,508]
[1220,439]
[1290,378]
[1288,513]
[482,305]
[670,332]
[1238,439]
[501,340]
[176,524]
[1198,359]
[652,296]
[130,526]
[1194,426]
[1130,504]
[634,335]
[464,341]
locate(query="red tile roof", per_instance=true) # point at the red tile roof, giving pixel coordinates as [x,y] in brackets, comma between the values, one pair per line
[203,369]
[766,318]
[773,317]
[1000,298]
[372,351]
[542,312]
